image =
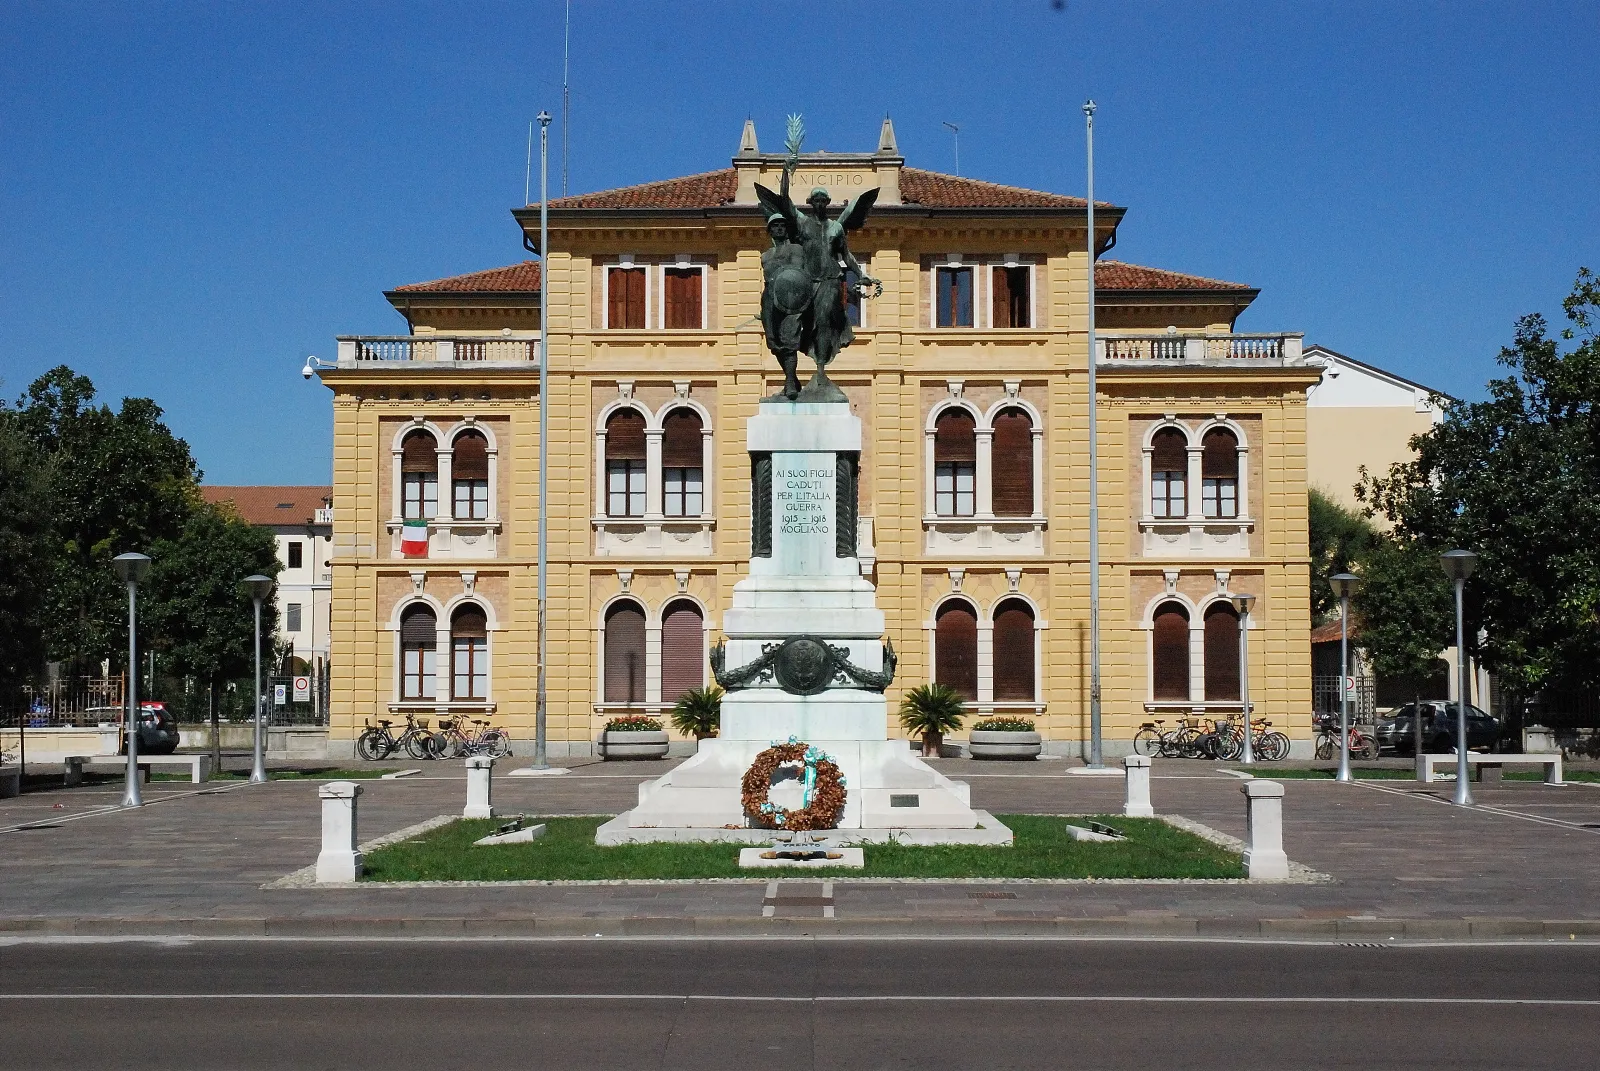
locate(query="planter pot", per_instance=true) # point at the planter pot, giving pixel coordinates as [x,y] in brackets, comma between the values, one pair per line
[988,744]
[636,745]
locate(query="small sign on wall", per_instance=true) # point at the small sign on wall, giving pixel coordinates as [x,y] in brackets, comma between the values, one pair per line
[280,694]
[302,689]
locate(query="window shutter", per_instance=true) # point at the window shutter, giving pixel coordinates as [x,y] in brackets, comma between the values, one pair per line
[1012,464]
[683,297]
[1219,455]
[955,643]
[417,453]
[1001,306]
[682,651]
[681,440]
[469,623]
[1169,642]
[1222,652]
[470,459]
[625,436]
[624,668]
[419,629]
[1013,652]
[955,437]
[1169,451]
[625,289]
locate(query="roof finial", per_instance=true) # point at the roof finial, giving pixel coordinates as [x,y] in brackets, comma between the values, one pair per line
[747,141]
[886,142]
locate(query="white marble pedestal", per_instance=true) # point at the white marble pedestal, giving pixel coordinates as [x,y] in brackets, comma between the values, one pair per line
[802,587]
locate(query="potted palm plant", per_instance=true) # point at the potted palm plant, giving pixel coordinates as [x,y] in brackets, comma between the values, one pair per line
[633,736]
[930,711]
[698,712]
[1005,738]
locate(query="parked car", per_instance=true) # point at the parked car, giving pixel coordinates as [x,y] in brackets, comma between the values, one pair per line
[1397,731]
[158,730]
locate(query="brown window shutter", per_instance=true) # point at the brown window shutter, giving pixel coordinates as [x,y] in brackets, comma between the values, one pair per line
[1169,643]
[1012,464]
[1169,451]
[419,629]
[1219,455]
[681,440]
[625,287]
[955,643]
[682,651]
[1222,652]
[1013,652]
[470,459]
[683,297]
[469,623]
[624,669]
[625,436]
[955,436]
[636,300]
[417,453]
[1001,306]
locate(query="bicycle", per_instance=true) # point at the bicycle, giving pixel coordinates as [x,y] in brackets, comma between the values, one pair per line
[452,741]
[1150,740]
[1358,742]
[378,742]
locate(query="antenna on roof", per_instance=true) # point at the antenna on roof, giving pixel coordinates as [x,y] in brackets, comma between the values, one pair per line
[566,100]
[527,172]
[956,130]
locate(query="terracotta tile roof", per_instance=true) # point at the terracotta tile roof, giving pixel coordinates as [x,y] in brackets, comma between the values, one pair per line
[1329,633]
[1115,275]
[523,277]
[271,505]
[705,190]
[931,189]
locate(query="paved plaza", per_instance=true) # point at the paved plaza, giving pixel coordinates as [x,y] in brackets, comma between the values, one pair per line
[1403,864]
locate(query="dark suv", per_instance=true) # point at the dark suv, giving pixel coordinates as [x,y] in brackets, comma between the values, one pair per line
[158,730]
[1398,730]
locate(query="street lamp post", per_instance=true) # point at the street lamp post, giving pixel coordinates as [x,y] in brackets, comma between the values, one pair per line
[1458,565]
[1096,758]
[259,587]
[541,759]
[1344,585]
[1242,603]
[131,568]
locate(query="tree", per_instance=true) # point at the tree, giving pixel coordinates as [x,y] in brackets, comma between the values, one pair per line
[25,558]
[930,711]
[119,481]
[1340,538]
[1516,478]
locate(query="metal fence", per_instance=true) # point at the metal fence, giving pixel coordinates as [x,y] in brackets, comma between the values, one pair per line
[1363,698]
[65,701]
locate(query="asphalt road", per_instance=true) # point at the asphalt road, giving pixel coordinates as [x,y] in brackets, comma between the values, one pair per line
[799,1003]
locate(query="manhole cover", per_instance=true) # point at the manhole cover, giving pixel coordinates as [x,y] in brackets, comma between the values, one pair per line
[991,896]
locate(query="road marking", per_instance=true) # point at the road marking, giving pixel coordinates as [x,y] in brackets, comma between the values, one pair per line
[1482,807]
[891,998]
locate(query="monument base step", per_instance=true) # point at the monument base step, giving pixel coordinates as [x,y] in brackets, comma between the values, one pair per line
[989,831]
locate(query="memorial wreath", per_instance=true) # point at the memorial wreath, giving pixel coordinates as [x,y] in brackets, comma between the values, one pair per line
[824,788]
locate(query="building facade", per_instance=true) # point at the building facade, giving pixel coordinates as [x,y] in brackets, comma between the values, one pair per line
[970,376]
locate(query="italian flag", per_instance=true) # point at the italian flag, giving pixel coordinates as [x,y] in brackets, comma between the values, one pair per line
[414,539]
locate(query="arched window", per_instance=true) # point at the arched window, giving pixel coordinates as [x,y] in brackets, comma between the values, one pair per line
[419,476]
[625,464]
[1011,466]
[955,458]
[1222,652]
[683,650]
[419,643]
[1013,651]
[469,476]
[682,461]
[1169,474]
[1219,474]
[955,648]
[624,643]
[469,653]
[1169,653]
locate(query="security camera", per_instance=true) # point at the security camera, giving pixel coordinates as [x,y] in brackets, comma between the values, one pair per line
[306,371]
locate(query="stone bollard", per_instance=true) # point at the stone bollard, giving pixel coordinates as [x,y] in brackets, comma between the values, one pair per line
[339,860]
[480,768]
[1136,774]
[1263,852]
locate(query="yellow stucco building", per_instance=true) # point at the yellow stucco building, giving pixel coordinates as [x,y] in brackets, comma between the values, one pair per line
[969,374]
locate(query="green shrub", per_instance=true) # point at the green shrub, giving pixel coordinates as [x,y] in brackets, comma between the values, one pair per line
[1004,725]
[634,723]
[931,710]
[698,712]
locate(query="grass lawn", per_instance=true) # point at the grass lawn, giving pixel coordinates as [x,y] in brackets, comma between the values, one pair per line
[282,775]
[1590,776]
[568,852]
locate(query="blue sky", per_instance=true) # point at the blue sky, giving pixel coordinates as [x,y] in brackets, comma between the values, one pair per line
[197,196]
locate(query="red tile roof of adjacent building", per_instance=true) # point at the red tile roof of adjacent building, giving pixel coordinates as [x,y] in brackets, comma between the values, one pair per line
[268,506]
[1115,275]
[1329,633]
[523,277]
[705,190]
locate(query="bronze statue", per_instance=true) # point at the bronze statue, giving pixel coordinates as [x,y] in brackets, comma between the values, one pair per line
[803,302]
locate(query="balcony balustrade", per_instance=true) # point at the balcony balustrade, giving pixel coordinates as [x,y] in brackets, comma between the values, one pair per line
[362,350]
[1279,349]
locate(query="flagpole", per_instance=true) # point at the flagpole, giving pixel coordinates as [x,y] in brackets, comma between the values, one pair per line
[1096,757]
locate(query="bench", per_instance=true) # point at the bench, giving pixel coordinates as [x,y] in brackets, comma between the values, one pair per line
[199,766]
[1489,765]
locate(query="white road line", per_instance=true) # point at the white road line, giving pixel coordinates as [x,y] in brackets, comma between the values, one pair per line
[1481,807]
[894,998]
